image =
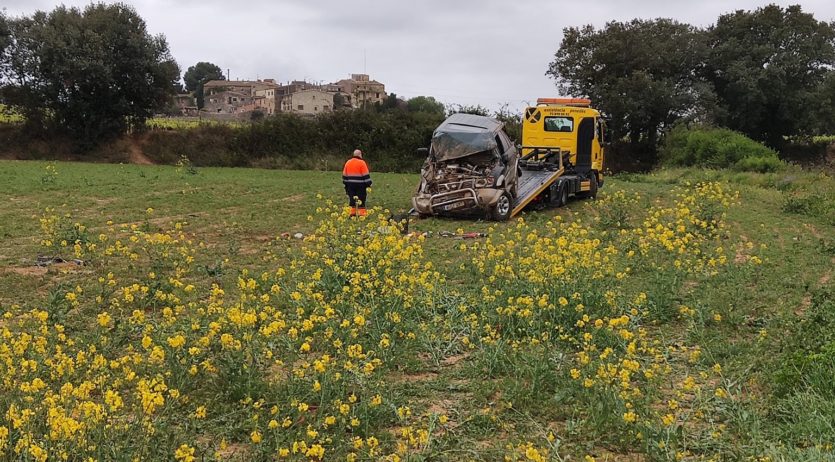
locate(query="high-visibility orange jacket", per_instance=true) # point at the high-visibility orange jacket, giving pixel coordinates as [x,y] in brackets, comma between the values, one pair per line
[355,173]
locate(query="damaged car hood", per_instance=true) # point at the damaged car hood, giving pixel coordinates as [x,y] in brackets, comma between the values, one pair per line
[462,135]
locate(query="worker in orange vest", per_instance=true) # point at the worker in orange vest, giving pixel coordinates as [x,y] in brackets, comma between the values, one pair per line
[357,180]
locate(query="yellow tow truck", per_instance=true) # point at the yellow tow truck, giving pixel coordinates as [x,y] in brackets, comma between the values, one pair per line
[562,152]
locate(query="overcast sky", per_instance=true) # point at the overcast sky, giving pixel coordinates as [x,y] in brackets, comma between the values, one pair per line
[486,52]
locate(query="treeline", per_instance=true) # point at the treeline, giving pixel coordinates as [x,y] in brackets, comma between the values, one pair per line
[388,137]
[768,74]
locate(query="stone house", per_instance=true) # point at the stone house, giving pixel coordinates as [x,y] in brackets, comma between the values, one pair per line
[239,96]
[361,88]
[310,101]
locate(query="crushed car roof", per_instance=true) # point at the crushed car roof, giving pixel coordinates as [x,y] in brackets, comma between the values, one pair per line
[461,135]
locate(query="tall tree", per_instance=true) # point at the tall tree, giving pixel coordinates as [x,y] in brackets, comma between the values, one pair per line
[199,74]
[93,73]
[768,67]
[640,74]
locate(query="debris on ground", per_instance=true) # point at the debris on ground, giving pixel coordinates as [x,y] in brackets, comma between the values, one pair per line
[472,235]
[46,261]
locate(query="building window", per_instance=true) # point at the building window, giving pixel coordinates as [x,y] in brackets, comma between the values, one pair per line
[315,108]
[301,107]
[378,94]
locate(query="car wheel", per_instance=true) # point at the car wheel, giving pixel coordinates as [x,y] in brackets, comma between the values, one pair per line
[503,208]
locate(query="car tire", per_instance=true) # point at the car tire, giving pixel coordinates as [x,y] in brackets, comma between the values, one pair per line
[503,208]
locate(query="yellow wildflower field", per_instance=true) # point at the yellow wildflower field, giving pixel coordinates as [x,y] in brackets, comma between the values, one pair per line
[574,337]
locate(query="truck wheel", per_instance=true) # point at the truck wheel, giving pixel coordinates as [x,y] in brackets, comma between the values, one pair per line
[503,208]
[562,196]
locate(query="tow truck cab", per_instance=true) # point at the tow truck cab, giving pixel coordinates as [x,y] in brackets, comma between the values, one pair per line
[570,125]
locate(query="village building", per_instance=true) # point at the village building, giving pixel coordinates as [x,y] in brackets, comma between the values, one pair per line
[239,97]
[362,90]
[310,101]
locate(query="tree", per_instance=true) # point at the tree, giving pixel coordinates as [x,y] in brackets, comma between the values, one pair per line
[425,104]
[640,74]
[512,121]
[94,73]
[5,35]
[768,68]
[475,110]
[340,101]
[391,102]
[199,74]
[823,112]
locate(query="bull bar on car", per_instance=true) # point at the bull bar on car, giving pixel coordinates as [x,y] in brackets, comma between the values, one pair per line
[473,197]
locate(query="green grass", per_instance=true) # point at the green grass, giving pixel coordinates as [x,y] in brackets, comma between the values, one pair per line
[500,394]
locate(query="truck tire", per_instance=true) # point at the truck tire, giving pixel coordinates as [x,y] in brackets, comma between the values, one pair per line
[503,208]
[594,186]
[562,195]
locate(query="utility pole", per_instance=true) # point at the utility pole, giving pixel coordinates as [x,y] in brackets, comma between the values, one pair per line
[227,73]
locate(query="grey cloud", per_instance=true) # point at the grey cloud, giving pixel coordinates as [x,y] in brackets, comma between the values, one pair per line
[461,51]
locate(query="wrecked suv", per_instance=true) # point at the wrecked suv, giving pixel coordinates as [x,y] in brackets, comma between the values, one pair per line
[472,168]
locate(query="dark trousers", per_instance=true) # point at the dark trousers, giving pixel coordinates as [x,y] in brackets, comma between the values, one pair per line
[356,193]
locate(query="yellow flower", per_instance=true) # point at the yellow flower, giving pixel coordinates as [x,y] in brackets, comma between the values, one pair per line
[104,319]
[184,453]
[255,436]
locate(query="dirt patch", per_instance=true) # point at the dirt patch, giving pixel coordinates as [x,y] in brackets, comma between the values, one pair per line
[137,156]
[28,270]
[454,359]
[813,231]
[825,278]
[234,451]
[805,303]
[416,377]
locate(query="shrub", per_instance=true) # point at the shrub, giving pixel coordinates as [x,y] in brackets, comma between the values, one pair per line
[716,148]
[759,164]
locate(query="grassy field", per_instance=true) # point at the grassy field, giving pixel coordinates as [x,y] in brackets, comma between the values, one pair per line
[683,315]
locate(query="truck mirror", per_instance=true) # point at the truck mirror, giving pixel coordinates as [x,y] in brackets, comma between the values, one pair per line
[423,152]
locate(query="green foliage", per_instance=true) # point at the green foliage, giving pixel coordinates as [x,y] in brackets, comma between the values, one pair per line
[92,73]
[716,148]
[638,73]
[467,109]
[767,73]
[5,33]
[820,203]
[769,68]
[199,74]
[759,164]
[802,381]
[426,104]
[389,139]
